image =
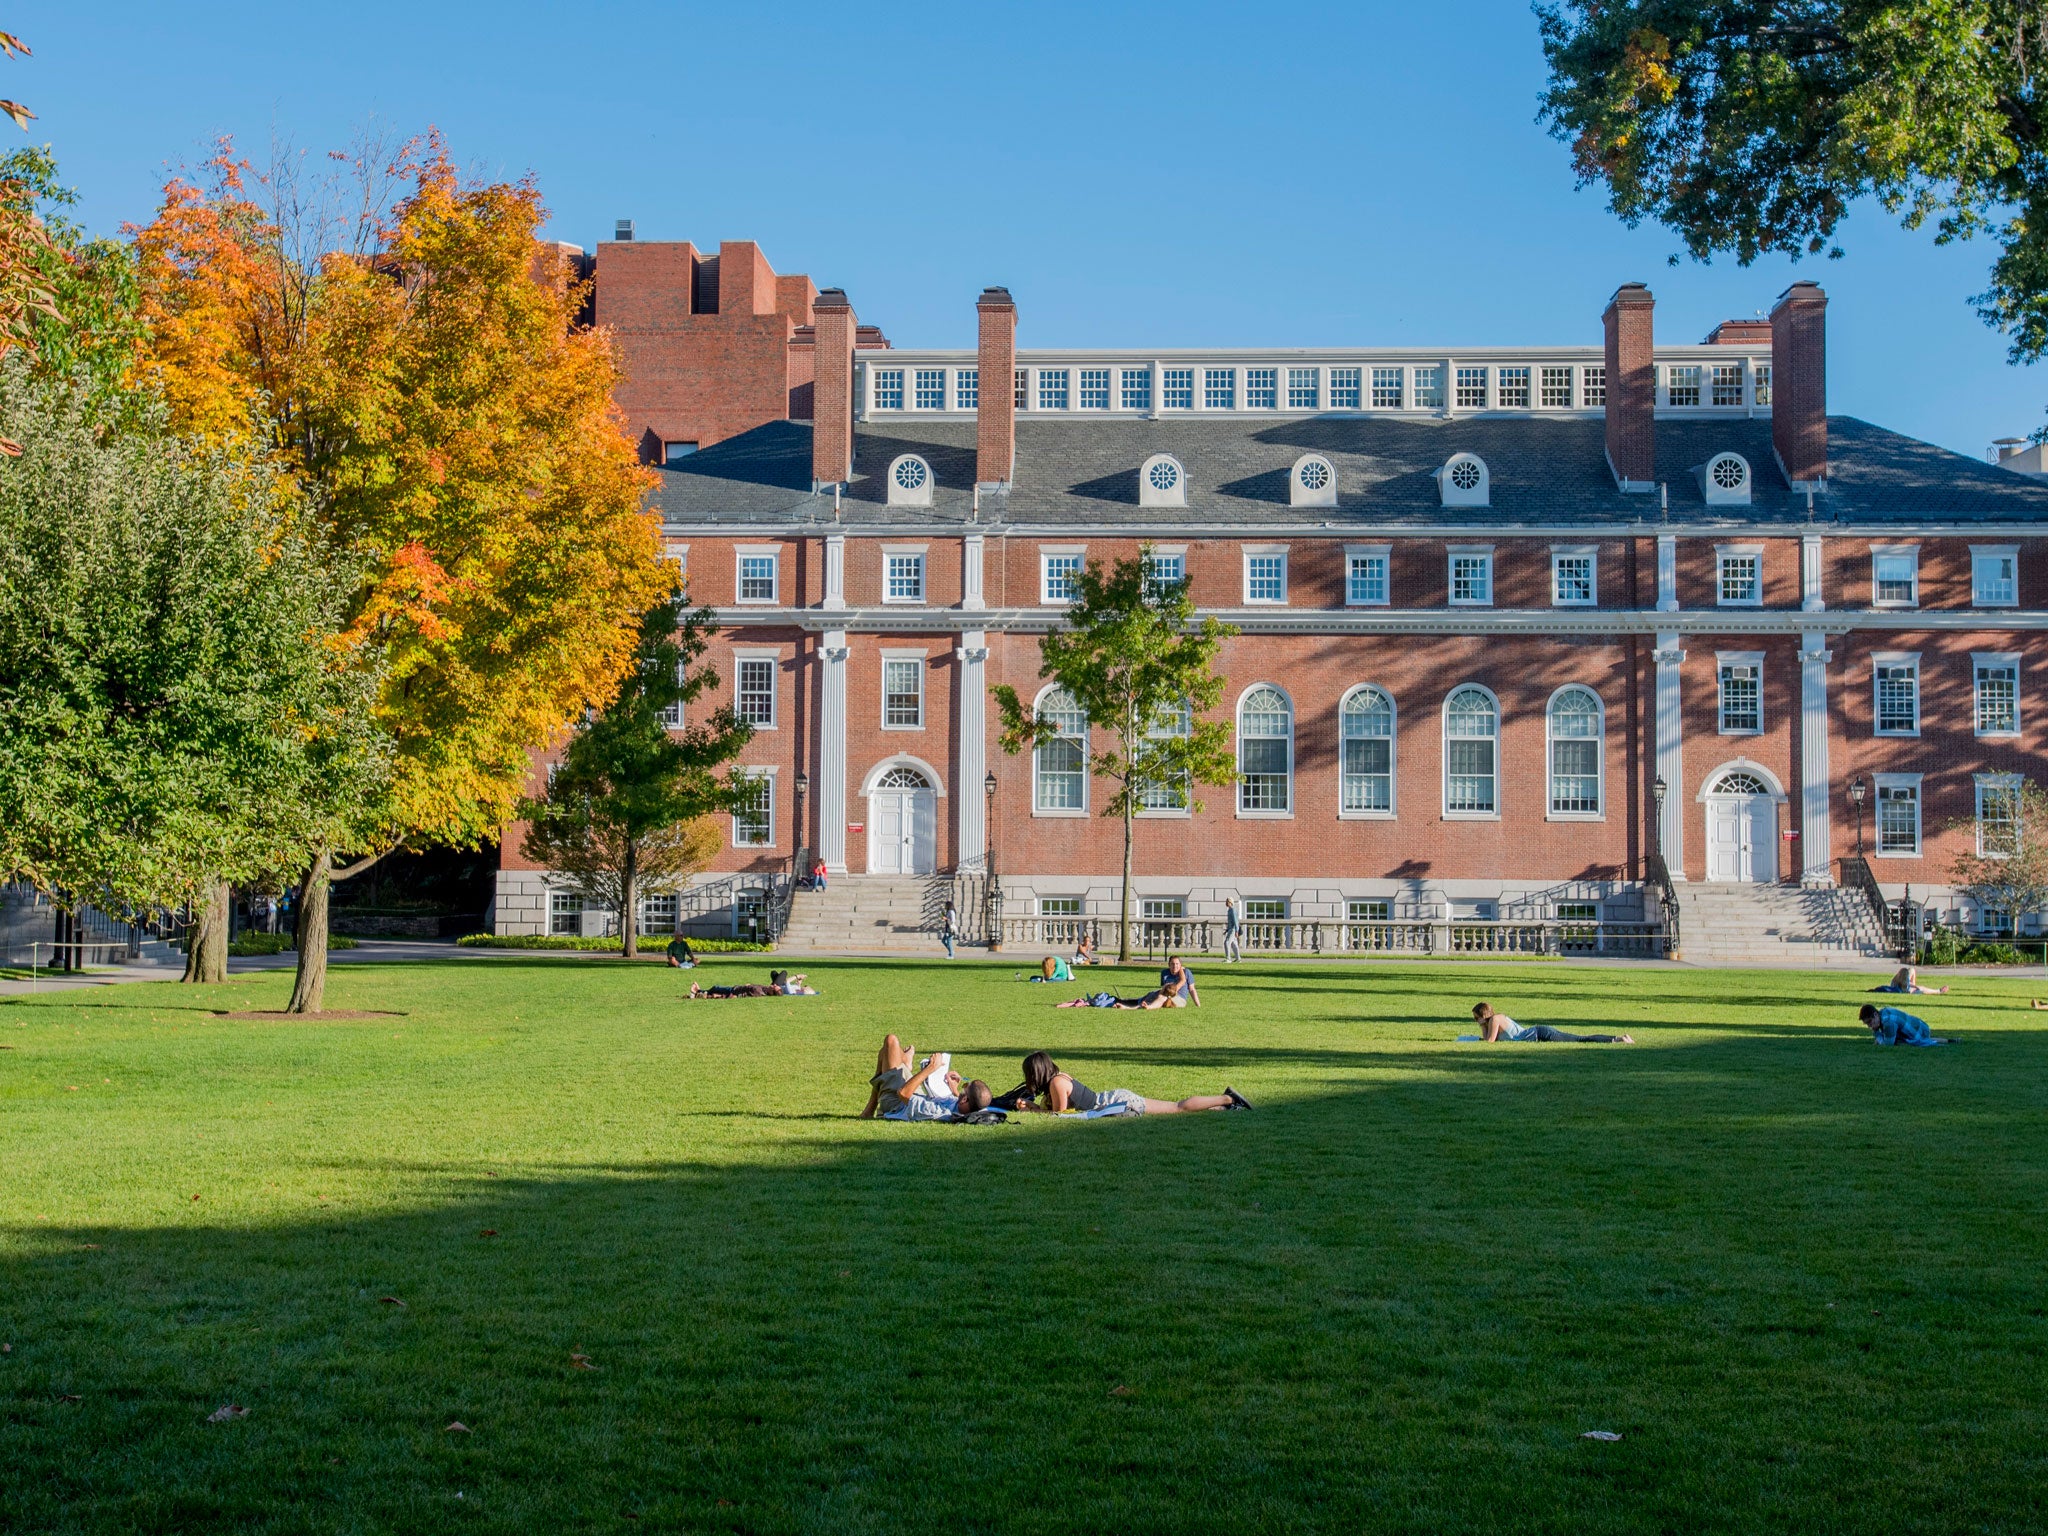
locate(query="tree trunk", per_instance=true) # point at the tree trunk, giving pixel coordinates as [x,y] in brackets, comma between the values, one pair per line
[206,946]
[309,991]
[629,905]
[1123,942]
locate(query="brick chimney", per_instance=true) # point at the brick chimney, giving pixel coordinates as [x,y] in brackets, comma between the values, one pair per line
[995,427]
[832,395]
[1631,388]
[1799,384]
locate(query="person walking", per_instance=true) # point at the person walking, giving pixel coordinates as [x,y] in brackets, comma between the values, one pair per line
[1233,948]
[949,928]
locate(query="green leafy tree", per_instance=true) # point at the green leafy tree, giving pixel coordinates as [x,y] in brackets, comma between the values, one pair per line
[2004,864]
[1751,126]
[1134,660]
[627,812]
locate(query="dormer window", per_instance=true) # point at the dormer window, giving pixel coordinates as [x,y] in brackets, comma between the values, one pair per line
[1162,482]
[1313,482]
[1725,480]
[910,482]
[1464,482]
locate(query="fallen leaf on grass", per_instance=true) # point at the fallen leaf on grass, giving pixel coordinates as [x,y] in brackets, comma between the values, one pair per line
[1599,1434]
[195,1197]
[1121,1391]
[456,1427]
[392,1301]
[88,1245]
[581,1361]
[227,1411]
[6,1349]
[70,1397]
[334,1461]
[488,1232]
[846,1274]
[73,1088]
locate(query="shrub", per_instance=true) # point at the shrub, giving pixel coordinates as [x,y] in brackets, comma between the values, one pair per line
[1991,954]
[649,944]
[254,943]
[1944,947]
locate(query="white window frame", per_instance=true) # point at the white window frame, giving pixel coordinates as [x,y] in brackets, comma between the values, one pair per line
[1590,553]
[1384,553]
[1882,782]
[1046,554]
[928,382]
[560,906]
[915,552]
[1053,388]
[740,657]
[1907,552]
[1265,552]
[1185,715]
[1980,553]
[881,384]
[1038,807]
[965,386]
[763,774]
[1723,553]
[1452,555]
[741,554]
[1080,907]
[1879,660]
[1265,813]
[1599,739]
[922,662]
[1986,781]
[1722,661]
[1176,552]
[1980,663]
[1444,728]
[1348,383]
[1393,739]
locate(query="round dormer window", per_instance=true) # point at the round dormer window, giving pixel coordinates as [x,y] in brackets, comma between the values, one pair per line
[911,473]
[1465,475]
[1728,473]
[1163,475]
[1315,475]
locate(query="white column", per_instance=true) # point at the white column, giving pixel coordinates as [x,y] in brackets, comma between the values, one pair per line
[971,584]
[1158,385]
[835,571]
[968,802]
[1811,598]
[1671,751]
[1667,574]
[832,753]
[1815,850]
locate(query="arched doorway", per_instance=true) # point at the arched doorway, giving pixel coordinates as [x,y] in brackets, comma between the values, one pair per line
[1742,826]
[903,824]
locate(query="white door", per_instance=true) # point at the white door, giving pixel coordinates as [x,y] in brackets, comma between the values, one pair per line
[885,832]
[1742,838]
[903,825]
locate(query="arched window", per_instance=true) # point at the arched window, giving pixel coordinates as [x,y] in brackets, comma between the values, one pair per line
[1575,753]
[1060,762]
[910,481]
[1739,783]
[1265,751]
[1170,725]
[1471,753]
[1367,723]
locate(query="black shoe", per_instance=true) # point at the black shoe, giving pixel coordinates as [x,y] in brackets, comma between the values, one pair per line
[1237,1100]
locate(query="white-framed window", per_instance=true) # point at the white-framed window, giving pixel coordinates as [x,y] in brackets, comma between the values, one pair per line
[565,914]
[754,690]
[1162,909]
[753,822]
[1059,906]
[658,913]
[1219,389]
[903,576]
[1684,384]
[1429,387]
[1574,576]
[1369,909]
[1060,574]
[1059,763]
[1895,575]
[1577,731]
[1344,389]
[1052,389]
[1165,569]
[678,551]
[1741,675]
[1177,389]
[967,389]
[1265,752]
[1998,815]
[930,385]
[1471,389]
[1471,575]
[1994,575]
[1725,382]
[1265,909]
[1762,374]
[1304,389]
[1898,815]
[1471,753]
[1511,388]
[672,714]
[1365,575]
[1262,389]
[902,692]
[676,452]
[758,569]
[1593,384]
[1169,799]
[888,389]
[1739,575]
[1136,386]
[1366,722]
[1387,393]
[1557,388]
[1896,676]
[1265,573]
[1726,482]
[1996,693]
[1162,482]
[1023,388]
[1094,389]
[910,481]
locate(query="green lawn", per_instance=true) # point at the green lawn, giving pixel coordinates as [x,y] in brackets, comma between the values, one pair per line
[1804,1277]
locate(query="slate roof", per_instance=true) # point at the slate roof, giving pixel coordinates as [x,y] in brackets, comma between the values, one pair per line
[1543,471]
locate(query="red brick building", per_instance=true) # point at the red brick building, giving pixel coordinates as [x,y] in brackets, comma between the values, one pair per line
[1489,602]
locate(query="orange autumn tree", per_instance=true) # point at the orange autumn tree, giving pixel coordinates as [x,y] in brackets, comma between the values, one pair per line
[425,371]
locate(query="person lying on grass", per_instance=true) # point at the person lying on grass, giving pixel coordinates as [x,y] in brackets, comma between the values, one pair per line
[1895,1026]
[779,984]
[1176,987]
[1105,1000]
[1907,979]
[897,1090]
[1062,1091]
[1496,1026]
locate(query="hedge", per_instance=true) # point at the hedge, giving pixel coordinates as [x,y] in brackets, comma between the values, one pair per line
[650,944]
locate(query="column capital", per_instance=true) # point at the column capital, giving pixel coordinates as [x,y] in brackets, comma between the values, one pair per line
[1667,656]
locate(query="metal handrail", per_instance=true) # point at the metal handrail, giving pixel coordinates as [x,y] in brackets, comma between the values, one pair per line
[1667,899]
[1407,936]
[1897,932]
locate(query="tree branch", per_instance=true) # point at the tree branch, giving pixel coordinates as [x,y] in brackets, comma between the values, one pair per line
[338,874]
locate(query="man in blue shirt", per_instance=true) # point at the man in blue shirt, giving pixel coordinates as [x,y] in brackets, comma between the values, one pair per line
[1895,1026]
[1176,987]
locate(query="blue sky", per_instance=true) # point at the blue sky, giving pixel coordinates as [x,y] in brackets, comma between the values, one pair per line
[1186,175]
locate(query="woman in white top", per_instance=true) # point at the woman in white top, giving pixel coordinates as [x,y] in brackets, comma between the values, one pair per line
[1498,1026]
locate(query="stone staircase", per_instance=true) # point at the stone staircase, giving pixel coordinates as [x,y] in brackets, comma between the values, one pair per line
[1778,925]
[863,913]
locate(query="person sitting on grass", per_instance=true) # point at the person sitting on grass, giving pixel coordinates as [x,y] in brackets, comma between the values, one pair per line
[1084,952]
[679,954]
[1498,1026]
[1907,979]
[896,1091]
[1052,968]
[1176,987]
[1062,1091]
[1895,1026]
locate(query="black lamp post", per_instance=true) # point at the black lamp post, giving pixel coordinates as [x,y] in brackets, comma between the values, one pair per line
[1857,790]
[995,888]
[1658,790]
[803,829]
